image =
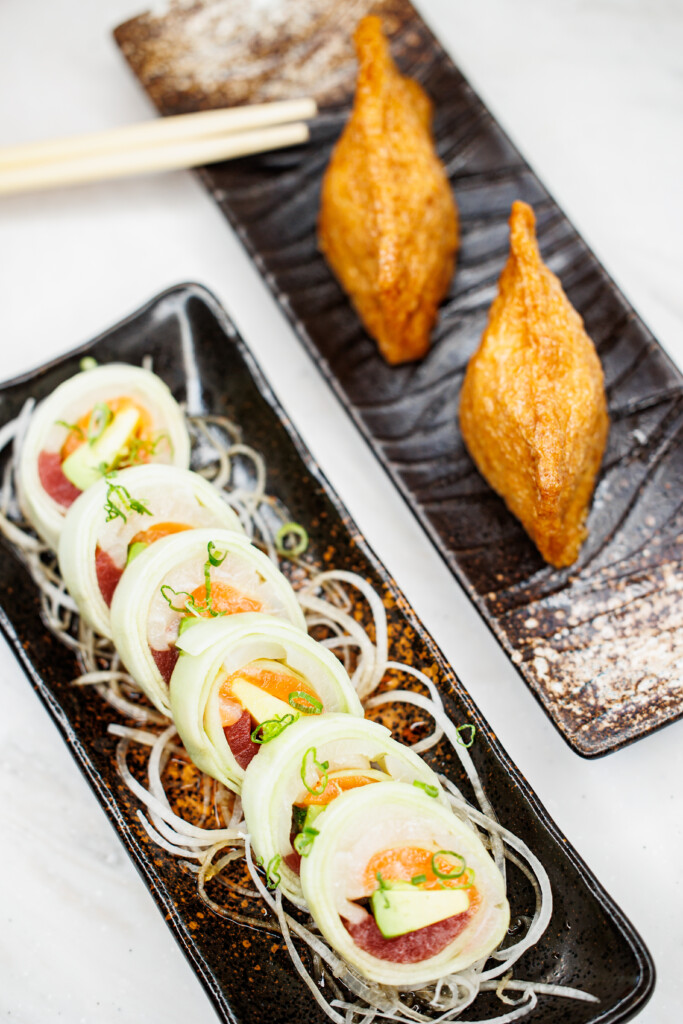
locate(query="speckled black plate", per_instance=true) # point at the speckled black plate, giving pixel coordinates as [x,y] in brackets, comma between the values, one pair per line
[195,349]
[599,644]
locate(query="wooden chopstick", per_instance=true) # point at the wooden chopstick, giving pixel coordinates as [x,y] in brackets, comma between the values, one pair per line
[188,140]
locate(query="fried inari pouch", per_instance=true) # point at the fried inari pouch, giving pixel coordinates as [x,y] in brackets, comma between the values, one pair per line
[388,222]
[533,412]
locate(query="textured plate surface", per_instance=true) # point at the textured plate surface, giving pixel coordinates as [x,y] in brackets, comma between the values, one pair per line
[588,944]
[599,644]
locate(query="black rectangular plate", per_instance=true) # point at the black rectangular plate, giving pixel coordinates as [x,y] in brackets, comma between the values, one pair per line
[589,943]
[599,643]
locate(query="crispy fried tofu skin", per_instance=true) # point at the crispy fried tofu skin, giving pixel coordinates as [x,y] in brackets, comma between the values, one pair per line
[533,412]
[388,222]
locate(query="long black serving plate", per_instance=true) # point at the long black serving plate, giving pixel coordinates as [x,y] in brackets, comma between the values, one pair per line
[589,943]
[599,643]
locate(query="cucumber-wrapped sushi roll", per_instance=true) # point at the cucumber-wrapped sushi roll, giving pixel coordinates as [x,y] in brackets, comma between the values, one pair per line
[401,888]
[121,515]
[244,680]
[290,784]
[206,573]
[104,418]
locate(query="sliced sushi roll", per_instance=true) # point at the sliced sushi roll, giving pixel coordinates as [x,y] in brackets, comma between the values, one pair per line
[206,573]
[402,888]
[243,680]
[105,418]
[122,514]
[296,777]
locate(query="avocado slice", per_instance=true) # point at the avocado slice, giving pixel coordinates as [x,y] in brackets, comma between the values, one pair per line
[84,466]
[187,620]
[313,811]
[135,549]
[260,705]
[401,907]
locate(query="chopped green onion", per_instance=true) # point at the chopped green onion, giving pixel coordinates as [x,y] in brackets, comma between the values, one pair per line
[207,585]
[73,428]
[473,732]
[272,727]
[189,605]
[429,789]
[382,887]
[216,557]
[304,841]
[283,543]
[418,879]
[272,871]
[448,874]
[88,363]
[322,766]
[304,702]
[115,492]
[100,418]
[138,450]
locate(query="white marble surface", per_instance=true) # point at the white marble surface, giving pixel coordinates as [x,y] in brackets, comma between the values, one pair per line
[592,92]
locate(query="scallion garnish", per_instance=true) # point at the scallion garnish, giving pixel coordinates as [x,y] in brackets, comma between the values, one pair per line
[382,887]
[100,418]
[88,363]
[272,871]
[448,874]
[304,841]
[73,428]
[115,492]
[322,766]
[418,879]
[473,731]
[189,604]
[291,540]
[304,702]
[272,727]
[138,450]
[429,789]
[216,557]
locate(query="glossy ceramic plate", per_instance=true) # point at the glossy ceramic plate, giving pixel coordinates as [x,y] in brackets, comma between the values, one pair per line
[589,943]
[599,644]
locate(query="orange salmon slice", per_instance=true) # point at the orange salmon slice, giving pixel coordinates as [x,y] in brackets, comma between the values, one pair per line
[225,599]
[75,438]
[333,788]
[158,532]
[403,863]
[278,682]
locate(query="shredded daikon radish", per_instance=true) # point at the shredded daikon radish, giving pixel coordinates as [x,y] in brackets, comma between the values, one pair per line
[207,852]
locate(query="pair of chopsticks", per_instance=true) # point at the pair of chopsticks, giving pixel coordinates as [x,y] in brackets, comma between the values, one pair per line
[170,143]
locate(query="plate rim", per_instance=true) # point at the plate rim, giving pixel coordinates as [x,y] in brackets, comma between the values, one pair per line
[628,1006]
[592,750]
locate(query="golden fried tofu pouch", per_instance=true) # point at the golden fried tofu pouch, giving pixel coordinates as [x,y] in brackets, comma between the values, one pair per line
[533,411]
[388,223]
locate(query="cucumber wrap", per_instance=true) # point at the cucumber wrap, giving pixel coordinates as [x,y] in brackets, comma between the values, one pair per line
[211,649]
[363,823]
[143,620]
[170,494]
[273,781]
[73,399]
